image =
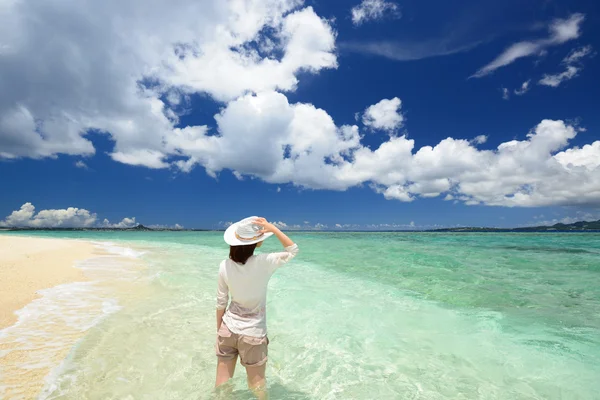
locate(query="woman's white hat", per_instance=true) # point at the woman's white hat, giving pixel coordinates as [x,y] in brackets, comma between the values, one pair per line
[245,232]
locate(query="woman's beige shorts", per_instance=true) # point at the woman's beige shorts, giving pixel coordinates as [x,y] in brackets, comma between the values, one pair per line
[253,351]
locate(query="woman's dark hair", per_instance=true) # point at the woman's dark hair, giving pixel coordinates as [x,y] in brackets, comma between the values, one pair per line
[241,254]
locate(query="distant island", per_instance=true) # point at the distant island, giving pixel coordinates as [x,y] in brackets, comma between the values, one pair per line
[137,228]
[581,226]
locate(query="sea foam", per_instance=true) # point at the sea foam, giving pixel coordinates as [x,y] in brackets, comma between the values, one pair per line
[49,326]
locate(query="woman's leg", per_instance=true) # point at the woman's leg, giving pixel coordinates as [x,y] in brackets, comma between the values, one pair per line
[225,370]
[257,381]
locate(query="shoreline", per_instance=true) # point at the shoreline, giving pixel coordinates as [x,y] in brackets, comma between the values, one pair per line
[52,292]
[29,265]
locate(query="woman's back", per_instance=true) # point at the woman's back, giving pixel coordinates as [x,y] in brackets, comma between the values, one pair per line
[247,285]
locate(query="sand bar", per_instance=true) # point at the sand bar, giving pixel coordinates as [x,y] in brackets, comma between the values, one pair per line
[30,264]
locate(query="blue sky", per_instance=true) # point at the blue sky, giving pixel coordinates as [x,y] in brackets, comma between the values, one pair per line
[312,114]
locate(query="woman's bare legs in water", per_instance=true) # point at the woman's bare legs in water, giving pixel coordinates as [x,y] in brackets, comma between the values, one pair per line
[256,377]
[225,370]
[257,382]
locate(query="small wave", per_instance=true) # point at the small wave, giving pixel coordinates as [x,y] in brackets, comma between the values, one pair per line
[113,248]
[49,326]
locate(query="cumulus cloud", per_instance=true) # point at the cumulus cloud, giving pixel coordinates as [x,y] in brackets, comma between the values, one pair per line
[573,66]
[384,115]
[373,10]
[174,227]
[561,31]
[306,226]
[505,93]
[125,74]
[347,226]
[71,217]
[125,223]
[306,148]
[400,227]
[586,157]
[587,216]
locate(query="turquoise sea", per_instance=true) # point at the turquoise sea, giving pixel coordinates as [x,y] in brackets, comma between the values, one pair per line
[353,316]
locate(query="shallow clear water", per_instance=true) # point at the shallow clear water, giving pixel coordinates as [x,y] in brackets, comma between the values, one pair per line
[359,316]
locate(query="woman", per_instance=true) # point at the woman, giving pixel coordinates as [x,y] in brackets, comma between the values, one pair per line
[242,329]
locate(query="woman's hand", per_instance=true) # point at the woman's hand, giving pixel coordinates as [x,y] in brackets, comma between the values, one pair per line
[269,227]
[265,225]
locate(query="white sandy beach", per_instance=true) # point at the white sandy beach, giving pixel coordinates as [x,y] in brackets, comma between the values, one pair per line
[47,304]
[28,265]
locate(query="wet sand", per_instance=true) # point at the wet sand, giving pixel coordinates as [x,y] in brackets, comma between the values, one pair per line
[28,265]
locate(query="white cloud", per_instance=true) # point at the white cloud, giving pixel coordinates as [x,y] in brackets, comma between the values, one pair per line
[410,50]
[557,79]
[158,226]
[399,227]
[293,140]
[587,216]
[347,226]
[229,67]
[62,218]
[481,139]
[307,149]
[373,10]
[145,157]
[524,88]
[561,31]
[571,71]
[278,189]
[125,223]
[81,164]
[577,54]
[587,157]
[384,115]
[124,74]
[519,92]
[305,226]
[397,192]
[71,217]
[121,74]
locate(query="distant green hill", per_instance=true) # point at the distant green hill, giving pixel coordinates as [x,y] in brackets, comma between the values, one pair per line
[580,226]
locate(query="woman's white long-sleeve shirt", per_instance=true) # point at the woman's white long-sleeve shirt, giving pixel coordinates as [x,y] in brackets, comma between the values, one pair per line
[247,286]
